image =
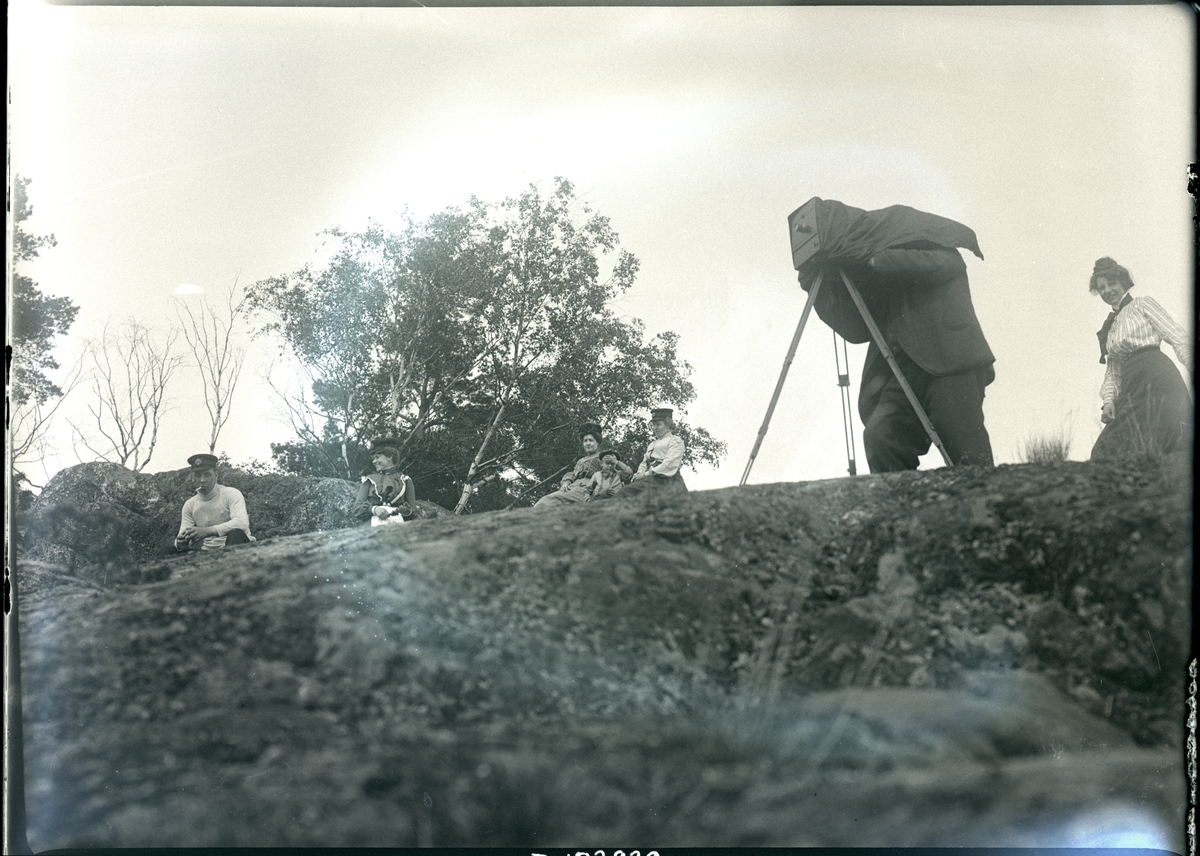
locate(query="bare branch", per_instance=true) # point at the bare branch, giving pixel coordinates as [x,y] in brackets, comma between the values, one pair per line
[294,408]
[129,374]
[29,422]
[209,333]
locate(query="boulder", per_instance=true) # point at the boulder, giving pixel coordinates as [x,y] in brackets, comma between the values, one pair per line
[954,658]
[102,515]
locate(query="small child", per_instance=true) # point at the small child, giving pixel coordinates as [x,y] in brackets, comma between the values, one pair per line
[611,477]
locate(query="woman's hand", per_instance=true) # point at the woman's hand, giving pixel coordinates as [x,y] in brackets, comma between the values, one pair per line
[382,512]
[1106,412]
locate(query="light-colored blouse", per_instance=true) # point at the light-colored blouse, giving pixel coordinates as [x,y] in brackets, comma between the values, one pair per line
[1142,323]
[664,456]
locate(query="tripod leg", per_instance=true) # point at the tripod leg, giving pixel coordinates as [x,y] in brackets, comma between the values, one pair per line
[791,354]
[891,361]
[847,404]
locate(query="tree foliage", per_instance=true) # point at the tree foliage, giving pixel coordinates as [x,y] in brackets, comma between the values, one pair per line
[36,318]
[35,321]
[484,316]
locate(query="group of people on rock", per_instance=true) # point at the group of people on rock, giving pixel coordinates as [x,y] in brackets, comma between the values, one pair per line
[601,474]
[215,515]
[925,316]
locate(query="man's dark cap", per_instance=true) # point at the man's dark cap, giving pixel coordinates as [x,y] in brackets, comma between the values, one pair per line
[202,462]
[662,413]
[590,428]
[604,452]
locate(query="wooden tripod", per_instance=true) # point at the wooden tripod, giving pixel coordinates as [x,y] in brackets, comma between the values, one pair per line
[877,335]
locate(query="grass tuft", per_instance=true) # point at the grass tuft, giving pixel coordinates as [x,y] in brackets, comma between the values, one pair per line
[1050,448]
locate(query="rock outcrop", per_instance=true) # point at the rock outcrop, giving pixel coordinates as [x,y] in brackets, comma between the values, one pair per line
[960,657]
[101,517]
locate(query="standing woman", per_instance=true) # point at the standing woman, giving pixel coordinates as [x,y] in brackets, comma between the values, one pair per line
[1147,409]
[576,485]
[659,471]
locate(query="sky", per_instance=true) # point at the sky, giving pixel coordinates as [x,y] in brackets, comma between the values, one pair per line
[173,151]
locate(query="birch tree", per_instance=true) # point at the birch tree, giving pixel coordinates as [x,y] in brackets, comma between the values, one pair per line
[130,368]
[211,334]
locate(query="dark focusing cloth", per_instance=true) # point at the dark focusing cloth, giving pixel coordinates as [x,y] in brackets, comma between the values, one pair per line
[850,237]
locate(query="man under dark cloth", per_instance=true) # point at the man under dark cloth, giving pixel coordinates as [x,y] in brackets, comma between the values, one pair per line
[905,264]
[922,304]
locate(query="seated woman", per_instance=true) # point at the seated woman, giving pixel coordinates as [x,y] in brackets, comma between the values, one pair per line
[610,478]
[1146,409]
[576,484]
[659,470]
[387,495]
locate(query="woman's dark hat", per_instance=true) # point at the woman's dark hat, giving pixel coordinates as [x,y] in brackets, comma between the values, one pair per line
[590,428]
[202,462]
[662,413]
[391,451]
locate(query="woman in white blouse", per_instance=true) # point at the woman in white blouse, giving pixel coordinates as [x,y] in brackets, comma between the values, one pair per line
[1146,406]
[659,470]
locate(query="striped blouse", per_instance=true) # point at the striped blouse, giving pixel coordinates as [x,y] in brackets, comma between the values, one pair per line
[1141,324]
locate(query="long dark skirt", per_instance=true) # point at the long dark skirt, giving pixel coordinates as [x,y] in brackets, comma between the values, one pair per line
[1152,413]
[656,485]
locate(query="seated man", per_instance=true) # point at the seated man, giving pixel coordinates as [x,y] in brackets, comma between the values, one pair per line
[611,476]
[215,516]
[387,495]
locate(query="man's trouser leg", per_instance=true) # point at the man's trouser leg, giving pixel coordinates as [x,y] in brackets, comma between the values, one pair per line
[236,536]
[893,437]
[955,407]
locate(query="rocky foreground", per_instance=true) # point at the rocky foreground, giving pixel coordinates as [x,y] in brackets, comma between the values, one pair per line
[959,657]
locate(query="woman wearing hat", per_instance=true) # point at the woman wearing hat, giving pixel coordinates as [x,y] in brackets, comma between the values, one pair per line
[659,470]
[387,495]
[576,484]
[1146,406]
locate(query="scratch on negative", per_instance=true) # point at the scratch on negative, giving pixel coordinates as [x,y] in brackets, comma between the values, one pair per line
[1155,650]
[431,12]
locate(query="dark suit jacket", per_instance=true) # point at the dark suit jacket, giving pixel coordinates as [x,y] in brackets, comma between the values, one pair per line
[922,302]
